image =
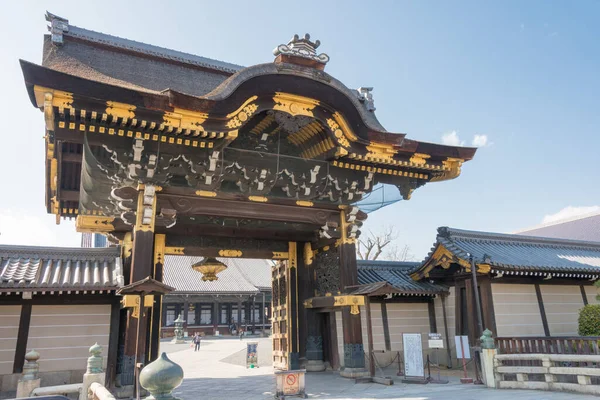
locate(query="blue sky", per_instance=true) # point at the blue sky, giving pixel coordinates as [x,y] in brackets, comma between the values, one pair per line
[524,74]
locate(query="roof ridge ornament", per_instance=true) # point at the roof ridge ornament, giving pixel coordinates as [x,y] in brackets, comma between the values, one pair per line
[365,96]
[58,26]
[302,47]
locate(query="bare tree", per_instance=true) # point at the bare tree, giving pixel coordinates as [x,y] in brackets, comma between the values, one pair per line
[396,253]
[371,246]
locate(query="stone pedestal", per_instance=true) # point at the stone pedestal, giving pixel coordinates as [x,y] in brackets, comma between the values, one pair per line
[354,373]
[29,380]
[487,364]
[315,366]
[24,388]
[88,379]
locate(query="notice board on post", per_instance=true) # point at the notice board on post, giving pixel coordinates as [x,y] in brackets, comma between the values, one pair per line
[413,355]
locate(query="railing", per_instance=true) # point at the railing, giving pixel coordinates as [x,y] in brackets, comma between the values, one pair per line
[553,367]
[57,390]
[99,392]
[549,345]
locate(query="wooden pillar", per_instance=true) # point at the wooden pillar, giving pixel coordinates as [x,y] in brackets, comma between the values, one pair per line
[330,342]
[292,292]
[156,314]
[583,295]
[186,308]
[354,354]
[449,353]
[252,306]
[142,266]
[312,323]
[22,337]
[370,336]
[239,314]
[432,321]
[538,293]
[386,326]
[304,292]
[215,317]
[113,342]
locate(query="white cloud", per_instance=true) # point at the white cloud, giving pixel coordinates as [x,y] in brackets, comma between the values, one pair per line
[19,227]
[481,141]
[569,212]
[452,139]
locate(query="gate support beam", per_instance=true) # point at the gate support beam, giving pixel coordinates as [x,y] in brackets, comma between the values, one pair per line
[354,353]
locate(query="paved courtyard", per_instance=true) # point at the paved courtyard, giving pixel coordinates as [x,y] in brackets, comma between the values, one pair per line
[218,372]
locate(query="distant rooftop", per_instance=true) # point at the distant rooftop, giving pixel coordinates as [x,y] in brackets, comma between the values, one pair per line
[584,227]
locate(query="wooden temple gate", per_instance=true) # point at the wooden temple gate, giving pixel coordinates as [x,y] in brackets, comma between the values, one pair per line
[268,165]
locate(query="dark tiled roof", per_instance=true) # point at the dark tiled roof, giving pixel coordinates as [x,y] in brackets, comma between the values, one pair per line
[179,274]
[397,274]
[59,269]
[521,253]
[585,228]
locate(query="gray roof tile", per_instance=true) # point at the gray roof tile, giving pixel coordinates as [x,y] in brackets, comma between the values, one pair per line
[53,268]
[179,274]
[397,274]
[519,252]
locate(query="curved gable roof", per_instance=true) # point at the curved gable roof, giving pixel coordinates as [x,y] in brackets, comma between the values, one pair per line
[516,253]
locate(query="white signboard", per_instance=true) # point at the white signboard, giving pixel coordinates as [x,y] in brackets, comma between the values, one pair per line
[435,341]
[413,355]
[465,347]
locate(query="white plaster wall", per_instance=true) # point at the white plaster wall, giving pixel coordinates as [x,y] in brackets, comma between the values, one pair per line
[592,292]
[9,330]
[562,304]
[450,318]
[407,318]
[63,334]
[517,310]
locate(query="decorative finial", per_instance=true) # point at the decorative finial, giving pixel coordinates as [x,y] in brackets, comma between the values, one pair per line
[94,363]
[365,96]
[487,341]
[58,26]
[304,48]
[31,367]
[161,377]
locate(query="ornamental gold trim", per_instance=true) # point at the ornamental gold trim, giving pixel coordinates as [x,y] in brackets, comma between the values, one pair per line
[309,254]
[258,199]
[206,193]
[159,249]
[353,301]
[280,255]
[303,203]
[171,250]
[294,105]
[419,159]
[185,119]
[230,253]
[60,99]
[120,110]
[293,254]
[94,224]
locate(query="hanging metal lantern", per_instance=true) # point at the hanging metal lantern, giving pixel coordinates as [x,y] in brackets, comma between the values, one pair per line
[209,268]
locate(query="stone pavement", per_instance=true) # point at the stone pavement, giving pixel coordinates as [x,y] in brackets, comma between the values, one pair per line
[218,372]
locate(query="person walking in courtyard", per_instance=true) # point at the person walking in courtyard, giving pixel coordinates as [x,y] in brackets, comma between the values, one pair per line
[197,340]
[241,332]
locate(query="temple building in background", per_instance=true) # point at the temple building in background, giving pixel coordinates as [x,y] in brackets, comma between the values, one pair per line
[582,227]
